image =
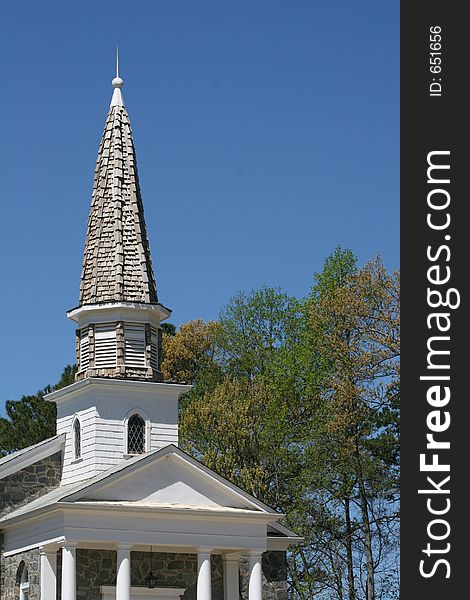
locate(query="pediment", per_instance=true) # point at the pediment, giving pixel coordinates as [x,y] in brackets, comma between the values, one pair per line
[168,478]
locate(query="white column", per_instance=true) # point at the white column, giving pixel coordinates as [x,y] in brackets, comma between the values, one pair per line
[48,576]
[255,584]
[123,580]
[204,584]
[69,570]
[231,577]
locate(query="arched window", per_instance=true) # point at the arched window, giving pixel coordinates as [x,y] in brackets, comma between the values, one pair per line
[135,435]
[22,579]
[77,439]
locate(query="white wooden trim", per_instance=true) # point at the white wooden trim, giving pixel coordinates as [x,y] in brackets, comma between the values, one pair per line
[82,312]
[109,592]
[57,540]
[32,455]
[48,574]
[283,543]
[69,392]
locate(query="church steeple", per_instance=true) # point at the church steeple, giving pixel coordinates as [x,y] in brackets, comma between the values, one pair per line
[116,261]
[118,314]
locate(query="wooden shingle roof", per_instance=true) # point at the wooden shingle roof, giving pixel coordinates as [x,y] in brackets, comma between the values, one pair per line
[116,265]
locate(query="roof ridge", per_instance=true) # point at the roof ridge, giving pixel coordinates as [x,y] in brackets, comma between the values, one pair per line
[17,453]
[23,458]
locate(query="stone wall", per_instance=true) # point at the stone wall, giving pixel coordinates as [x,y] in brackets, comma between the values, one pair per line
[11,571]
[30,483]
[274,567]
[94,569]
[98,567]
[176,570]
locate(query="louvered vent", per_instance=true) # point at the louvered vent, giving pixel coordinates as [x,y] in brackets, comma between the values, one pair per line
[84,349]
[134,345]
[154,348]
[105,345]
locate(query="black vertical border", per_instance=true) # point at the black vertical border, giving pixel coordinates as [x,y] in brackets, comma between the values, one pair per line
[428,124]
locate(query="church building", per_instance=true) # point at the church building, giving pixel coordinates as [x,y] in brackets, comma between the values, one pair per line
[110,508]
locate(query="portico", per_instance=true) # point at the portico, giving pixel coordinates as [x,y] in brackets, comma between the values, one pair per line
[124,590]
[164,502]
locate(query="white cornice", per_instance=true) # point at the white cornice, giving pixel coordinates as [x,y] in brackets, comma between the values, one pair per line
[87,311]
[74,389]
[54,543]
[119,510]
[167,511]
[282,543]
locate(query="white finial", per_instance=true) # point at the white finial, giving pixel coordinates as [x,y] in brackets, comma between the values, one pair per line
[117,84]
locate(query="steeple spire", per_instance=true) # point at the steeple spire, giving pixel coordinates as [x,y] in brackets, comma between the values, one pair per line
[116,262]
[119,314]
[118,84]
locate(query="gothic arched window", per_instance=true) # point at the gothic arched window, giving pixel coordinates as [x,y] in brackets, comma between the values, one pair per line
[23,580]
[77,439]
[135,434]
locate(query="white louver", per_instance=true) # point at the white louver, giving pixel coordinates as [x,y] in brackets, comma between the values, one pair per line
[134,345]
[105,345]
[84,349]
[154,348]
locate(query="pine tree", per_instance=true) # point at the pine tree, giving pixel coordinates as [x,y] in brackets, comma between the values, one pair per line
[31,419]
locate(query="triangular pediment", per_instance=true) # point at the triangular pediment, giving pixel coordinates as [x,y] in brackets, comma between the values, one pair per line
[168,478]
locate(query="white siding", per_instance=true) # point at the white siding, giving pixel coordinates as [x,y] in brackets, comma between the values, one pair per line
[109,442]
[76,470]
[103,410]
[162,434]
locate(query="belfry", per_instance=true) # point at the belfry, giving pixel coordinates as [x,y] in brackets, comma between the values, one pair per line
[110,508]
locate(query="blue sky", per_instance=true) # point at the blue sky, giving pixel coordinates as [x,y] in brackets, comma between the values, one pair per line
[266,133]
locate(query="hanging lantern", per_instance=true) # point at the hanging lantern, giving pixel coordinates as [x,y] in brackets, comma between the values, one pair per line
[151,578]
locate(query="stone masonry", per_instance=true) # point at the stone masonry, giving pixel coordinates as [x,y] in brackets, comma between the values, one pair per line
[11,571]
[24,486]
[176,570]
[274,576]
[16,490]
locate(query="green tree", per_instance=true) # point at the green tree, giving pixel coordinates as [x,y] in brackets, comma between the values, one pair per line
[254,330]
[31,419]
[168,328]
[305,417]
[354,326]
[189,352]
[224,428]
